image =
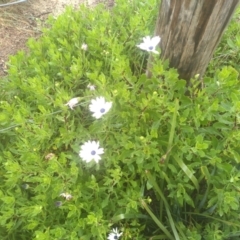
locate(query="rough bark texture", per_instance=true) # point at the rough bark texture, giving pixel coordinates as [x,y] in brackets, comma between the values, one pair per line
[190,31]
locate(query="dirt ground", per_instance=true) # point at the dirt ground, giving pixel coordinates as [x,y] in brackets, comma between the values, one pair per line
[19,22]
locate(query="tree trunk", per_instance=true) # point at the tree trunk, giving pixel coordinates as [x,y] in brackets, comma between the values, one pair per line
[190,30]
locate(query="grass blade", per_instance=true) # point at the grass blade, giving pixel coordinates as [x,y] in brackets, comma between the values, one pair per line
[155,219]
[214,218]
[161,195]
[187,171]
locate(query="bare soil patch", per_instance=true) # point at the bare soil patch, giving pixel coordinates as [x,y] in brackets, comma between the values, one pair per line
[21,21]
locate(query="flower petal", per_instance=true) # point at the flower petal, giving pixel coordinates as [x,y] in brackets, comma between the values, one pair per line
[155,40]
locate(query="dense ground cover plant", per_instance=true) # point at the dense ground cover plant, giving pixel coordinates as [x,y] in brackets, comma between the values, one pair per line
[167,164]
[228,51]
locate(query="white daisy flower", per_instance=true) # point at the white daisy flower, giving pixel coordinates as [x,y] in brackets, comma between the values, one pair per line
[150,44]
[67,196]
[99,107]
[114,234]
[84,47]
[91,87]
[73,102]
[90,151]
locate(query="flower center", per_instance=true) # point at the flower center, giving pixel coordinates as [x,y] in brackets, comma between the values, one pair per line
[150,48]
[115,237]
[93,152]
[102,110]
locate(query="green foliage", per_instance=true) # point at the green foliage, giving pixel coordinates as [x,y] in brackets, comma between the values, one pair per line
[228,51]
[170,169]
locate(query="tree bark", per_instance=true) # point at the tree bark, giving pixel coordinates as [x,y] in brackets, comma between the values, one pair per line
[190,30]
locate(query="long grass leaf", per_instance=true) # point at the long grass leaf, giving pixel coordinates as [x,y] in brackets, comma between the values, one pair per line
[128,216]
[206,174]
[162,236]
[161,195]
[169,148]
[173,125]
[155,219]
[217,219]
[187,171]
[231,235]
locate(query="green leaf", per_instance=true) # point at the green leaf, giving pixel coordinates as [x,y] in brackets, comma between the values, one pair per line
[160,225]
[187,171]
